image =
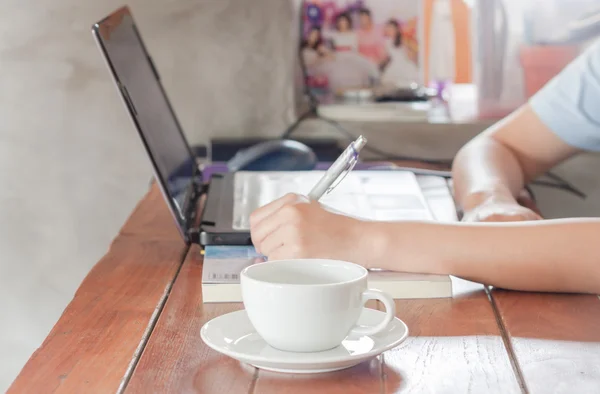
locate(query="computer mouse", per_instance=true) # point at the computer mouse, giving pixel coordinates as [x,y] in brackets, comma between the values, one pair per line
[274,155]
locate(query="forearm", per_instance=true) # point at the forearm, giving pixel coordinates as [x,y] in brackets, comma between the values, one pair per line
[501,160]
[485,168]
[557,255]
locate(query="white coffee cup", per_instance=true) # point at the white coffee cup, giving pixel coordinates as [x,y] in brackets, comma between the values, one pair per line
[309,305]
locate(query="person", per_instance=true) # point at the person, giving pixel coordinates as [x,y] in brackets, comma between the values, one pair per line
[499,242]
[339,70]
[370,39]
[399,69]
[314,51]
[344,38]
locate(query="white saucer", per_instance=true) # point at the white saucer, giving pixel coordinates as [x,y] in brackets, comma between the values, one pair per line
[233,335]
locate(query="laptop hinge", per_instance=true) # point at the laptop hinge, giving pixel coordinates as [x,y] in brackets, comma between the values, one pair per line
[191,210]
[202,189]
[194,235]
[190,205]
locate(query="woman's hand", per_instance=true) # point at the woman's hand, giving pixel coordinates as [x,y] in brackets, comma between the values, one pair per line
[502,209]
[500,212]
[292,227]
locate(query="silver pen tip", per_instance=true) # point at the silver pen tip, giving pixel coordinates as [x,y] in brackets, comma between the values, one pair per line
[359,143]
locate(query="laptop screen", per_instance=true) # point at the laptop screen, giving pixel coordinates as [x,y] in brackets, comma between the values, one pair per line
[139,84]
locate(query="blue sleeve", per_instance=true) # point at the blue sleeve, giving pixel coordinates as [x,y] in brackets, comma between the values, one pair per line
[569,104]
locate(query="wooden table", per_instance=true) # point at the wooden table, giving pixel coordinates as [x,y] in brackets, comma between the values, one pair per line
[134,326]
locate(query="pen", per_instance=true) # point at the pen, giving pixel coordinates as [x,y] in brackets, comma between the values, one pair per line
[348,157]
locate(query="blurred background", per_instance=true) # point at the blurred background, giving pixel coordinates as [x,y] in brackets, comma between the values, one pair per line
[73,166]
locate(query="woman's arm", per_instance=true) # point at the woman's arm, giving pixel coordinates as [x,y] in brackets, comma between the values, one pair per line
[558,121]
[494,167]
[554,255]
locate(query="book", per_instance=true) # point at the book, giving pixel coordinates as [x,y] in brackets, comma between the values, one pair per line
[223,264]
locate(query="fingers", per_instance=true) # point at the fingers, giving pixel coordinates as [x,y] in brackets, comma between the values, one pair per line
[258,229]
[271,241]
[285,242]
[267,210]
[501,217]
[285,215]
[500,212]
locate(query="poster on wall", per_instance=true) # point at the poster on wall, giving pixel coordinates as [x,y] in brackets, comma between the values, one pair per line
[353,45]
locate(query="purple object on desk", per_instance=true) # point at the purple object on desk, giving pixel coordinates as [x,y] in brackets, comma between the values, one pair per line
[215,168]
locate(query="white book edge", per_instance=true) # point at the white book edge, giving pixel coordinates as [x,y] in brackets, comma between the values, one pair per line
[398,285]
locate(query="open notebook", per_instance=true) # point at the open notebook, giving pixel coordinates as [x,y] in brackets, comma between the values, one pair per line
[370,195]
[411,198]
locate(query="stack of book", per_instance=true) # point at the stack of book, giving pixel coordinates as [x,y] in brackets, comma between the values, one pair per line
[223,264]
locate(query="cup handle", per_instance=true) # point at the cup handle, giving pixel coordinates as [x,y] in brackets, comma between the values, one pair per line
[390,312]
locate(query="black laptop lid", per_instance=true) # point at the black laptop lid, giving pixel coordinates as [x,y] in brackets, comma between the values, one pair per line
[139,84]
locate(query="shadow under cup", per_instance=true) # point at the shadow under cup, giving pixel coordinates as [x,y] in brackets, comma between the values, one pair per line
[308,305]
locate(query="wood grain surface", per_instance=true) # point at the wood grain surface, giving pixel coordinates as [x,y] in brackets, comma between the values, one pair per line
[151,219]
[176,360]
[455,346]
[94,343]
[555,339]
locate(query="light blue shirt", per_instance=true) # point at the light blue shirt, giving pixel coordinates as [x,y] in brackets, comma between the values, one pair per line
[570,103]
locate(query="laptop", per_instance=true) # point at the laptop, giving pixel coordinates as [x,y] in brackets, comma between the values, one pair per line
[229,198]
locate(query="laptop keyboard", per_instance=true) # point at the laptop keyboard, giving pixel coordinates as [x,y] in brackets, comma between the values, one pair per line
[368,195]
